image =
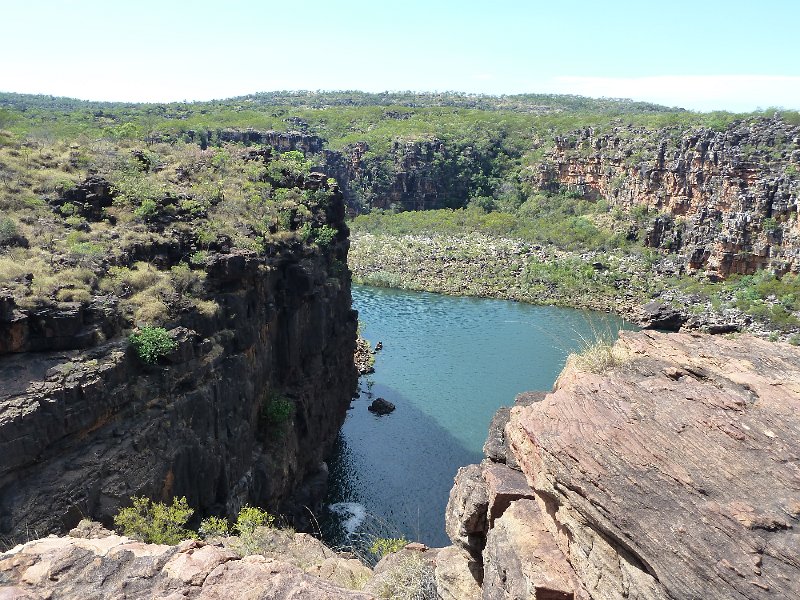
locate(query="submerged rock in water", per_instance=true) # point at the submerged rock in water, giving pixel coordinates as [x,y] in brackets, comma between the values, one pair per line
[381,406]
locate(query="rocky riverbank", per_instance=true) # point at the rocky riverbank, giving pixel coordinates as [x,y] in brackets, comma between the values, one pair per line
[631,285]
[641,475]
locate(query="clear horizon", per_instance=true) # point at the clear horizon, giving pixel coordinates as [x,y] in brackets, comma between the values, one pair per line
[700,56]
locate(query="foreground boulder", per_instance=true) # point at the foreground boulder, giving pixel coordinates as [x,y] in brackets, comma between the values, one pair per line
[112,566]
[672,475]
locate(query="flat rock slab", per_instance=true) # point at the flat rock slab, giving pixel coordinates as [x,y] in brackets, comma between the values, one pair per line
[675,474]
[117,567]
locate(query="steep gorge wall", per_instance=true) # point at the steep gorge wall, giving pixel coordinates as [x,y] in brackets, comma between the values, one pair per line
[723,201]
[727,201]
[85,424]
[411,175]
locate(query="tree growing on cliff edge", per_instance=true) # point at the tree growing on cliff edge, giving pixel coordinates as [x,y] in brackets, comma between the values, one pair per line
[155,522]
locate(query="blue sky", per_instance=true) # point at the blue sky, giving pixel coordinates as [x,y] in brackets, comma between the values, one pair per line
[702,54]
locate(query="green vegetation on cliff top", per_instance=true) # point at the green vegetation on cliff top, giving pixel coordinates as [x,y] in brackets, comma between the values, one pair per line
[82,220]
[171,174]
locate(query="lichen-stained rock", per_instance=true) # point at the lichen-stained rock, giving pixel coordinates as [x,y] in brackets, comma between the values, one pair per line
[465,516]
[522,560]
[674,475]
[117,567]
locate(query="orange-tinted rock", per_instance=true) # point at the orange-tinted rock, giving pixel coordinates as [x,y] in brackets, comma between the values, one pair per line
[674,475]
[713,190]
[522,560]
[504,485]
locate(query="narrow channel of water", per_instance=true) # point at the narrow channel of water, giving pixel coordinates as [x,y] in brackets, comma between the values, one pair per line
[447,364]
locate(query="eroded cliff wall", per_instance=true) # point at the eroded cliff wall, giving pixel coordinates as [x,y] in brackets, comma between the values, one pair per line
[85,424]
[727,201]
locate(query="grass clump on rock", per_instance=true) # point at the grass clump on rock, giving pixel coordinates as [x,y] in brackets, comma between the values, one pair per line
[597,357]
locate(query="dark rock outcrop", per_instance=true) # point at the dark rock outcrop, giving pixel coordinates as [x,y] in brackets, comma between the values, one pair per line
[381,406]
[88,199]
[658,315]
[496,448]
[56,326]
[85,424]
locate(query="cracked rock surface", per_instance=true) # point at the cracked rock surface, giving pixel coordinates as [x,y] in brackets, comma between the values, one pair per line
[675,474]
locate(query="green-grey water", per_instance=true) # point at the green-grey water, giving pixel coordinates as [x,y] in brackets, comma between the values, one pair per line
[447,364]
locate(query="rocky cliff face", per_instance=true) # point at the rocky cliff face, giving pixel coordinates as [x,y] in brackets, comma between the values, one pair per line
[725,200]
[670,476]
[413,175]
[85,424]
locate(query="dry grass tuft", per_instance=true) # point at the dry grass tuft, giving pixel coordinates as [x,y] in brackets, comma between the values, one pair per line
[412,579]
[597,357]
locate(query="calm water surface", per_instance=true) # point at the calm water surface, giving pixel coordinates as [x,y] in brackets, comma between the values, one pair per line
[447,364]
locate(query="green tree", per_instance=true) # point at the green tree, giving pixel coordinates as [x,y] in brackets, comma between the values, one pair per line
[155,522]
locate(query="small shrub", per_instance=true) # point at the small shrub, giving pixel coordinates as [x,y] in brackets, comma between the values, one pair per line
[597,357]
[382,546]
[277,410]
[251,517]
[213,527]
[185,280]
[8,230]
[324,236]
[148,209]
[155,522]
[151,343]
[246,527]
[198,258]
[412,579]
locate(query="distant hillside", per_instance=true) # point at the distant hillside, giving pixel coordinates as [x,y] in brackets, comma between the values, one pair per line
[536,103]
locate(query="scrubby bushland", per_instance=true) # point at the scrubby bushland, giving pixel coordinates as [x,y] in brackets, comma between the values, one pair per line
[81,221]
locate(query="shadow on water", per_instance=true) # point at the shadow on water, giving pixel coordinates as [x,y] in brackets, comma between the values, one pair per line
[447,364]
[391,475]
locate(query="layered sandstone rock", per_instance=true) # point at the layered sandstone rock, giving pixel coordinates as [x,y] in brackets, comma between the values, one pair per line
[727,201]
[672,475]
[111,566]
